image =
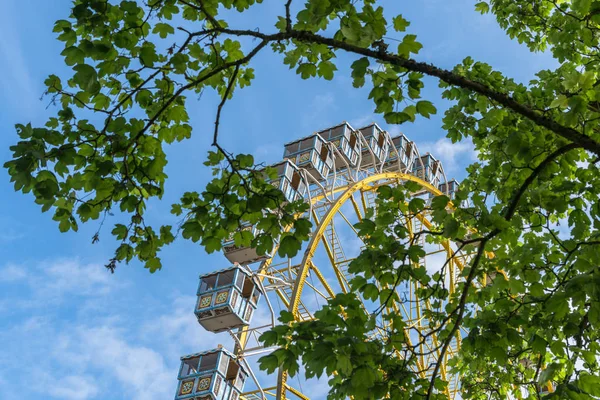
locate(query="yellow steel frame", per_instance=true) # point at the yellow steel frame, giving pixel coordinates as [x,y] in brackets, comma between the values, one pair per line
[335,207]
[365,185]
[345,194]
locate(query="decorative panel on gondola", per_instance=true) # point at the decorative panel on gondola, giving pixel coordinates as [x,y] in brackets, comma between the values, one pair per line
[227,299]
[311,153]
[405,152]
[378,145]
[210,375]
[346,140]
[429,169]
[289,181]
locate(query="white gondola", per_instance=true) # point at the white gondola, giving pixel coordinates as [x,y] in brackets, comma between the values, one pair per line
[227,299]
[429,169]
[405,151]
[345,139]
[377,148]
[211,375]
[449,188]
[311,153]
[289,180]
[239,254]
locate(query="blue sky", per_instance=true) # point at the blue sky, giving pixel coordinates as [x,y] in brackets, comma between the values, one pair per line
[70,330]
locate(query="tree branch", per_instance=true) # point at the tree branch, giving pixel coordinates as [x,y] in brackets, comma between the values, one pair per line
[459,317]
[196,82]
[288,16]
[444,75]
[512,206]
[209,17]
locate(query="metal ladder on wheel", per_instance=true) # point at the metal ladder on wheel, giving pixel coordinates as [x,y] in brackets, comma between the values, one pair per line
[334,243]
[286,292]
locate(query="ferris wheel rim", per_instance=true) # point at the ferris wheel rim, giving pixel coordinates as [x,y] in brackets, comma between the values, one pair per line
[305,264]
[332,210]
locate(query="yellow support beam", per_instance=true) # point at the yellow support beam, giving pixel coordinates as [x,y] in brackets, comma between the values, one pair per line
[321,278]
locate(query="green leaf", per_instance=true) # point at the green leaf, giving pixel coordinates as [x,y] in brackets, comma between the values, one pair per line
[359,69]
[370,292]
[86,78]
[548,373]
[440,202]
[286,317]
[144,98]
[64,225]
[73,55]
[400,24]
[560,101]
[344,364]
[269,363]
[589,383]
[148,55]
[363,377]
[211,244]
[396,117]
[409,45]
[269,338]
[426,108]
[384,192]
[539,344]
[163,29]
[451,227]
[351,29]
[416,205]
[326,69]
[120,231]
[245,160]
[153,264]
[482,7]
[365,227]
[289,246]
[307,70]
[582,6]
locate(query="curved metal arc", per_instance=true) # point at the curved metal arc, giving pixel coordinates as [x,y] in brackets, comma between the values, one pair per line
[314,242]
[306,264]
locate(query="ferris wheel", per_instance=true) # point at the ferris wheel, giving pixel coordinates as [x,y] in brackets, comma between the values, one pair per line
[337,171]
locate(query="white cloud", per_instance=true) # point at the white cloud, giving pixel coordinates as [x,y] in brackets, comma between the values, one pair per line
[113,352]
[72,387]
[141,371]
[10,235]
[180,331]
[394,130]
[453,155]
[54,280]
[12,273]
[359,122]
[89,354]
[65,275]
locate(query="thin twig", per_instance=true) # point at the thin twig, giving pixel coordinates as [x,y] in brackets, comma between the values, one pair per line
[225,96]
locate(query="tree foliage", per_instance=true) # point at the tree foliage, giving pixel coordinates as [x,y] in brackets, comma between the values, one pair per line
[533,196]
